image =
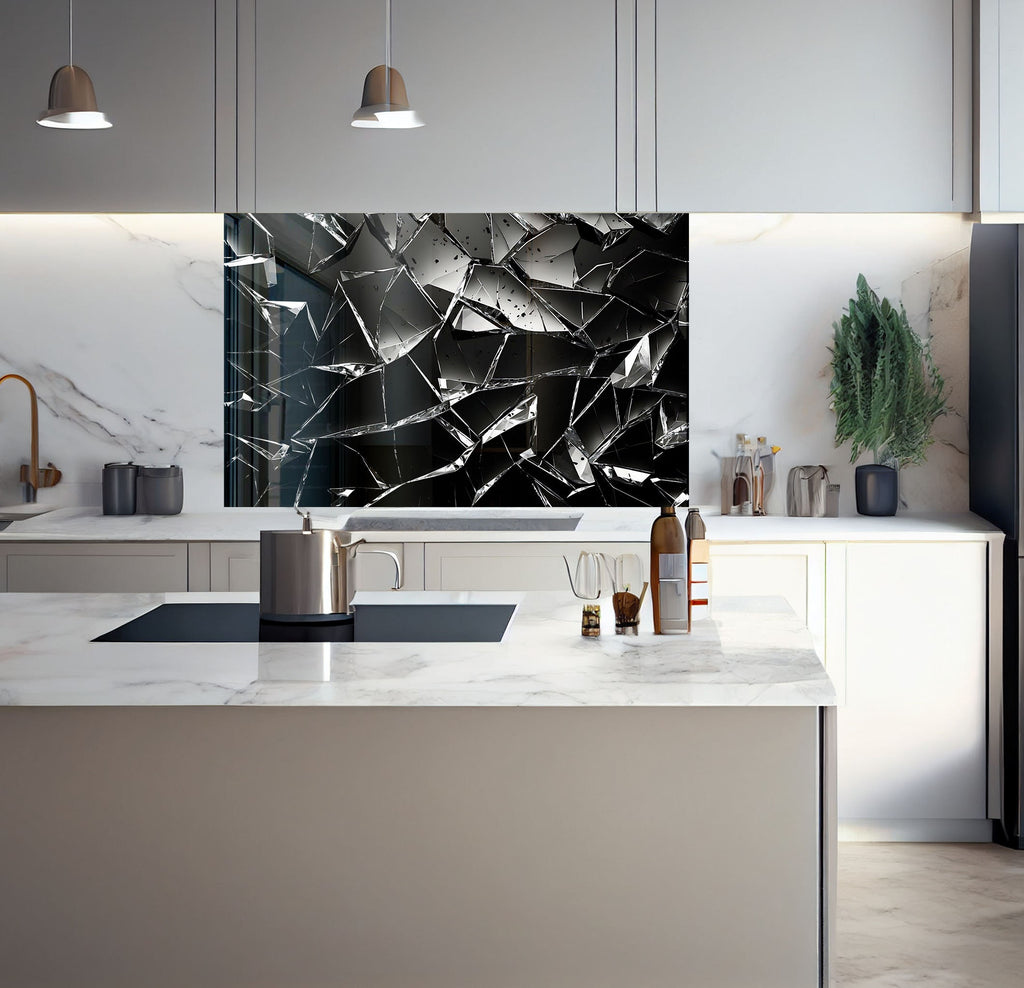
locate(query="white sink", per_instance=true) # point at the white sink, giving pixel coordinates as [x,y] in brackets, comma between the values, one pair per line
[18,512]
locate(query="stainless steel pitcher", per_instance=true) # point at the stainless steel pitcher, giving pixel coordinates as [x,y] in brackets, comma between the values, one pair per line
[306,573]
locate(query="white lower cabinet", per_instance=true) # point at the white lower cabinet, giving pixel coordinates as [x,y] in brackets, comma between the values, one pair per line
[912,747]
[794,571]
[512,565]
[96,567]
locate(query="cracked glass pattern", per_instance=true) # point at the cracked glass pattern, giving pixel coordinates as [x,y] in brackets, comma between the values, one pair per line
[439,359]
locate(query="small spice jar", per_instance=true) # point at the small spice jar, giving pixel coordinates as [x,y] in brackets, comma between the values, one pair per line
[591,627]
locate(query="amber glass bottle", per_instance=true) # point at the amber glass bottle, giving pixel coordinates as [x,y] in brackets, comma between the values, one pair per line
[668,572]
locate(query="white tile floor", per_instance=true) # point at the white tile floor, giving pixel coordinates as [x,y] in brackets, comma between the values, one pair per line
[942,915]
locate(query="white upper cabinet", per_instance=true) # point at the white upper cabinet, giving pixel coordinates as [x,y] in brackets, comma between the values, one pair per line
[805,106]
[537,105]
[518,99]
[153,68]
[1000,106]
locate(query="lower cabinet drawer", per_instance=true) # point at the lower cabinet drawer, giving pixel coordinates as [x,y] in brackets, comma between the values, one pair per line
[513,565]
[96,568]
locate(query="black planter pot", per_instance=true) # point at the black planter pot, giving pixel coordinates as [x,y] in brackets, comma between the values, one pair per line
[878,489]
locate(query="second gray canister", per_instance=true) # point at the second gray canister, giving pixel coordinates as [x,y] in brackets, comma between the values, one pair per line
[160,491]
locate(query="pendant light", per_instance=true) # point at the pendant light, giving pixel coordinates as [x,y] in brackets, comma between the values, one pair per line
[72,104]
[385,102]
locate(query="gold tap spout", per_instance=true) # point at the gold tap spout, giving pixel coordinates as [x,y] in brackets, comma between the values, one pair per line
[32,479]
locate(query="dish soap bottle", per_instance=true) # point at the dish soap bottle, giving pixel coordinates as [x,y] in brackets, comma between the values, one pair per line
[668,573]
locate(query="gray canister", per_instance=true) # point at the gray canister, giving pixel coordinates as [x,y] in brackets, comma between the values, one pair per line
[119,488]
[160,491]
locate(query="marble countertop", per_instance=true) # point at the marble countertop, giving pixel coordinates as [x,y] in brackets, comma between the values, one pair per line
[753,652]
[596,525]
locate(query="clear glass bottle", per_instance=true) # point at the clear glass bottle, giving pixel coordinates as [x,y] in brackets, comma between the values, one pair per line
[668,573]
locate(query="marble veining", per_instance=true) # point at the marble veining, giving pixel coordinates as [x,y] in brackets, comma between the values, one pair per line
[759,355]
[137,327]
[745,656]
[118,322]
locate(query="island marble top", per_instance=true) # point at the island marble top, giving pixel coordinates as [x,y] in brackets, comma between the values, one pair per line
[751,652]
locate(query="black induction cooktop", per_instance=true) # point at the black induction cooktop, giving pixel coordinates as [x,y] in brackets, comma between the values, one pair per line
[235,622]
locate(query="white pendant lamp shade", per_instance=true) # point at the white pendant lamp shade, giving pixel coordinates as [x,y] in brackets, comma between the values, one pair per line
[385,103]
[72,103]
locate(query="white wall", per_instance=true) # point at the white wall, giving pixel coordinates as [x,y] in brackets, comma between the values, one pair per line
[118,321]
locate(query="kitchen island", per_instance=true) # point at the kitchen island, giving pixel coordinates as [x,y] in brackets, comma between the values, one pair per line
[544,810]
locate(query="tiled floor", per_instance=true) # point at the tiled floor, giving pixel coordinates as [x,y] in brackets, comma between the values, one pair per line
[941,915]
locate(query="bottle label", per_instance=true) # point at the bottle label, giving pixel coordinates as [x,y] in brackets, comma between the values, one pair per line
[672,567]
[672,592]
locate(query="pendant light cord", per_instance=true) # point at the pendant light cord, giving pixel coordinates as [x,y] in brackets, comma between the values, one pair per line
[387,53]
[71,32]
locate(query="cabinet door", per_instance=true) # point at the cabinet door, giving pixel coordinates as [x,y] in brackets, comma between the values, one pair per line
[236,566]
[793,571]
[153,68]
[911,745]
[101,567]
[803,106]
[518,101]
[1001,105]
[513,565]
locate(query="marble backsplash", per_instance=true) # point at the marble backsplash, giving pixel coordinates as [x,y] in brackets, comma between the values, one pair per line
[118,321]
[765,290]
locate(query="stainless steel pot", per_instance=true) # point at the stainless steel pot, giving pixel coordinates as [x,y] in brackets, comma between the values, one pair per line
[306,573]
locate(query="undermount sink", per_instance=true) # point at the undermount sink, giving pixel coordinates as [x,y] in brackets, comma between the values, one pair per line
[240,622]
[18,512]
[471,520]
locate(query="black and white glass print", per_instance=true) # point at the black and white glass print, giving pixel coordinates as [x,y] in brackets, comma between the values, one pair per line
[493,359]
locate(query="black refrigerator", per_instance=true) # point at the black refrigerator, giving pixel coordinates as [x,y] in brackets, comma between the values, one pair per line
[996,464]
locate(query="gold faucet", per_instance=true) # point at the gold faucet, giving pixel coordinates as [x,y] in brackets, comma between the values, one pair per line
[30,476]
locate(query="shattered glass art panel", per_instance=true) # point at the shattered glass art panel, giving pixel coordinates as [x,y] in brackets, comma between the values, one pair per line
[449,360]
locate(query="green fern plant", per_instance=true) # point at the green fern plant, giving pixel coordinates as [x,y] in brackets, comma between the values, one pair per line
[886,391]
